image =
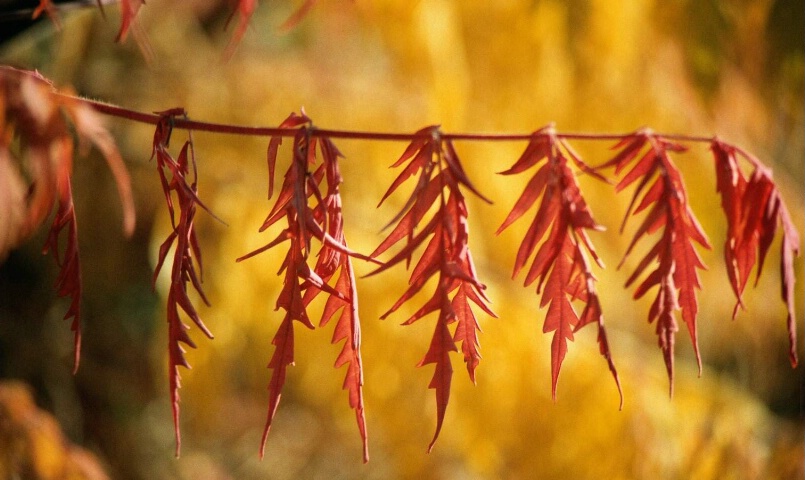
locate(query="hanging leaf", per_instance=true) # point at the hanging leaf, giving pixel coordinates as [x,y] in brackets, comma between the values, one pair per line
[38,130]
[36,115]
[754,209]
[660,190]
[322,221]
[128,13]
[68,282]
[173,175]
[244,9]
[447,253]
[560,264]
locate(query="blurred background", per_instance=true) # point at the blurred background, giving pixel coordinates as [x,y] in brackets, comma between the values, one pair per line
[704,67]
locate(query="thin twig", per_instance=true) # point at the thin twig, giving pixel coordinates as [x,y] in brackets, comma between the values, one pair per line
[200,126]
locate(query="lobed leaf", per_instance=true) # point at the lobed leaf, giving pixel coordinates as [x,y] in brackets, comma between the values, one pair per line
[44,122]
[560,263]
[676,259]
[313,212]
[68,282]
[446,254]
[441,345]
[173,174]
[754,209]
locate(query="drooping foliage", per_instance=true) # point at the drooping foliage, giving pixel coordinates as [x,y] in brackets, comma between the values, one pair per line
[180,184]
[662,193]
[440,178]
[323,221]
[37,149]
[561,264]
[755,209]
[37,129]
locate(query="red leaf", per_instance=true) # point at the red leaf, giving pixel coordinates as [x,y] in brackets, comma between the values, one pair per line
[457,173]
[754,209]
[438,353]
[441,177]
[313,215]
[186,251]
[467,328]
[245,9]
[560,318]
[68,283]
[666,325]
[629,147]
[546,256]
[45,120]
[348,329]
[408,222]
[532,191]
[644,168]
[293,121]
[677,262]
[128,12]
[545,216]
[422,161]
[282,357]
[592,313]
[560,262]
[538,148]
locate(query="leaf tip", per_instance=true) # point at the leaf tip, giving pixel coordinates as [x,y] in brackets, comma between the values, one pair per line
[432,442]
[77,356]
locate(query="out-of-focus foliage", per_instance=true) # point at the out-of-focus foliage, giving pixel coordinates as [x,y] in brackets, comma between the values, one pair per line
[32,444]
[396,65]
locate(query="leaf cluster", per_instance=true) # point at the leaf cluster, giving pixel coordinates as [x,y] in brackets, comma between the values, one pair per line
[304,183]
[41,127]
[38,127]
[440,179]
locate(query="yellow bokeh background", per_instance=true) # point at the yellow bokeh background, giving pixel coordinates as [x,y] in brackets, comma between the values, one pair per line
[471,66]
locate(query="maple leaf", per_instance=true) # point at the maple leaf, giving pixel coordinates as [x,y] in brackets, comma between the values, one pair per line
[560,264]
[440,178]
[40,125]
[173,175]
[661,190]
[68,282]
[754,209]
[37,114]
[322,221]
